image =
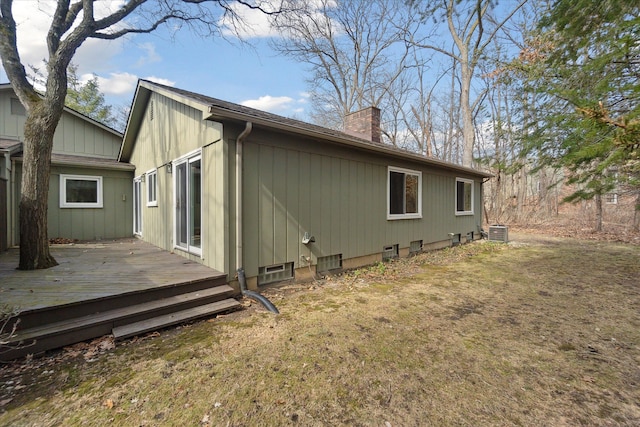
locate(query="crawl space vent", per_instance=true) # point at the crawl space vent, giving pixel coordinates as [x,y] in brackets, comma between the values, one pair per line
[415,247]
[330,262]
[275,273]
[390,252]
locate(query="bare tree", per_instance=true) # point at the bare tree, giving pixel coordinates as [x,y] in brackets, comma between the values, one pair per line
[72,23]
[467,22]
[355,49]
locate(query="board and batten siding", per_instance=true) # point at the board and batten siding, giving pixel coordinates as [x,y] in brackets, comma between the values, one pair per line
[113,220]
[11,125]
[74,135]
[78,137]
[4,214]
[169,131]
[340,197]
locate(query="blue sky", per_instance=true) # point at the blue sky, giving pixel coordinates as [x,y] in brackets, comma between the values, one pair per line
[251,75]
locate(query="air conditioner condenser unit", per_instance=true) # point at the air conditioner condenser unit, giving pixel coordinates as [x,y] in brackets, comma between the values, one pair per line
[499,233]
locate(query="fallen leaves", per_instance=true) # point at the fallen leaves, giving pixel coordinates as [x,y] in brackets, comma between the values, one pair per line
[89,350]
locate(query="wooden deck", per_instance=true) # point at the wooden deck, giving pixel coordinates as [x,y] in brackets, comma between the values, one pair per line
[120,287]
[89,271]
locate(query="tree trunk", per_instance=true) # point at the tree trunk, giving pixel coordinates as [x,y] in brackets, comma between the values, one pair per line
[598,198]
[468,131]
[38,144]
[636,213]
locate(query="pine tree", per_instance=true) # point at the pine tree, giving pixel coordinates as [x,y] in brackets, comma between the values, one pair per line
[590,87]
[87,99]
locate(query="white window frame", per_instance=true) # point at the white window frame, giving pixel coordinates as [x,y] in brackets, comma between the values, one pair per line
[152,187]
[466,181]
[187,159]
[412,215]
[63,191]
[137,206]
[611,198]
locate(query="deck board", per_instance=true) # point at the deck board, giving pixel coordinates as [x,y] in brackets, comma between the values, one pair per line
[95,270]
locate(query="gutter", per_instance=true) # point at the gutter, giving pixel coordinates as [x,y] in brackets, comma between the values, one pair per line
[218,112]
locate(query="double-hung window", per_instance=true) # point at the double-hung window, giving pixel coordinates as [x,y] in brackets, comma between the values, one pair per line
[404,193]
[152,188]
[187,175]
[464,196]
[80,191]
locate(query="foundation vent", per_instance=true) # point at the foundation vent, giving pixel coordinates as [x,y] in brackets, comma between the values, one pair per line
[275,273]
[390,252]
[330,262]
[415,247]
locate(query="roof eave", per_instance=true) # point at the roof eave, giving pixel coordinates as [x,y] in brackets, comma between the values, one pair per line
[8,86]
[217,112]
[138,108]
[104,165]
[136,114]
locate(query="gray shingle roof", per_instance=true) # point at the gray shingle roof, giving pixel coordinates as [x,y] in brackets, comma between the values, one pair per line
[229,110]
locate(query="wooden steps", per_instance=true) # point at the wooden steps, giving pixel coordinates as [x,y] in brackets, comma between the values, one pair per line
[124,321]
[132,329]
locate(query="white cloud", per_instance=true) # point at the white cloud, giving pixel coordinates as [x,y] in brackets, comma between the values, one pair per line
[304,97]
[33,19]
[117,83]
[160,80]
[269,103]
[150,56]
[254,23]
[251,23]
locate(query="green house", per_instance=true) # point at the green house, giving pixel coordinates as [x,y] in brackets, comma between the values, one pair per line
[90,193]
[229,186]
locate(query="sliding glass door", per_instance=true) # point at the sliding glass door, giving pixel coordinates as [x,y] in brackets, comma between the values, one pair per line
[188,202]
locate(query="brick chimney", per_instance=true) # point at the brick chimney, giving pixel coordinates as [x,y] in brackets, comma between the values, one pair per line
[364,124]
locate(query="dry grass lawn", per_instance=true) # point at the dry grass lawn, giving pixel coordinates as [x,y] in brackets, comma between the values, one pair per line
[542,331]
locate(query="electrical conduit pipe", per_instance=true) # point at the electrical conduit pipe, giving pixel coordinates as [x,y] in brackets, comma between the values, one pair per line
[241,277]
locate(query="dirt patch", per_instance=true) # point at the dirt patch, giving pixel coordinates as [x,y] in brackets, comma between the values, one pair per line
[542,331]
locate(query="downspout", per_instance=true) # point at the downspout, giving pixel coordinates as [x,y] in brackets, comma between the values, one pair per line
[483,233]
[239,145]
[239,261]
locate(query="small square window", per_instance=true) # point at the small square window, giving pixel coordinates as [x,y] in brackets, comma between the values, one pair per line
[152,188]
[464,196]
[404,193]
[80,191]
[611,198]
